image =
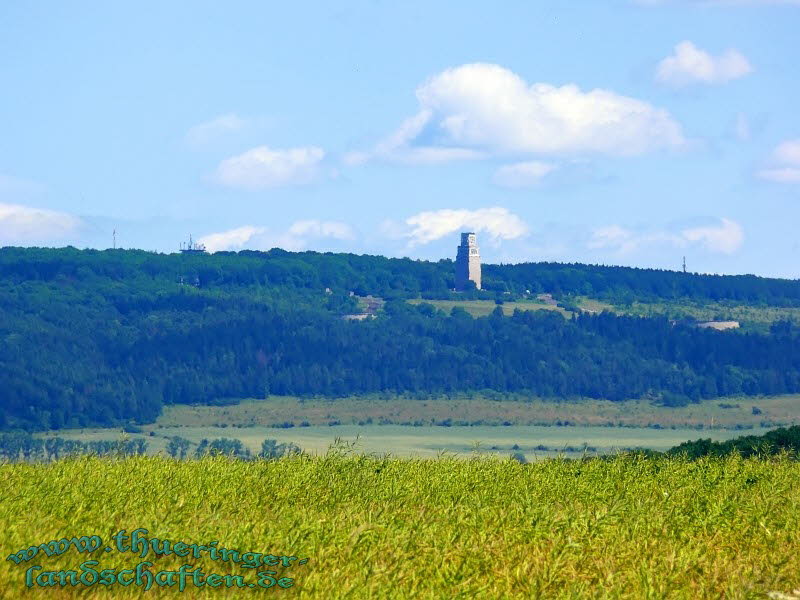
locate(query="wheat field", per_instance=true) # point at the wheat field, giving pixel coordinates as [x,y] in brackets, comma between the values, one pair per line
[381,527]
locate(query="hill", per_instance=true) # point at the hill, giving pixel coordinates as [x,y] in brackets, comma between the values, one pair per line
[109,337]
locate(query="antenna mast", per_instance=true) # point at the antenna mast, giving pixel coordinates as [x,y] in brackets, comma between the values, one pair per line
[115,238]
[684,264]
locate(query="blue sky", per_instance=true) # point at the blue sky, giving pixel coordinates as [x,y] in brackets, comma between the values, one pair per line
[628,132]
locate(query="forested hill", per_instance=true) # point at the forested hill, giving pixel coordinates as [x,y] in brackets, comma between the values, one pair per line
[386,277]
[91,337]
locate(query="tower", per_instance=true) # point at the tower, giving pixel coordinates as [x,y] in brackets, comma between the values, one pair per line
[468,262]
[193,247]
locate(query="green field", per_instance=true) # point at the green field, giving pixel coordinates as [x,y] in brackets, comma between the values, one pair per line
[481,308]
[751,318]
[385,425]
[726,413]
[535,442]
[627,527]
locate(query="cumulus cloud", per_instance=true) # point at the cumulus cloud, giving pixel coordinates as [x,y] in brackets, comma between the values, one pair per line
[727,237]
[314,228]
[210,130]
[616,237]
[478,110]
[297,237]
[23,224]
[425,227]
[400,147]
[523,174]
[724,237]
[233,239]
[788,152]
[689,64]
[786,163]
[263,167]
[781,174]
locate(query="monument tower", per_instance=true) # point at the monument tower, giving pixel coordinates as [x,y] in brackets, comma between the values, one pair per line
[468,262]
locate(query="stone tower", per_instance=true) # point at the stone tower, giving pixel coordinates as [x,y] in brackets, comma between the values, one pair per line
[468,262]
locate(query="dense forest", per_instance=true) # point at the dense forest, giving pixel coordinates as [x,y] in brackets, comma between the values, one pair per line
[772,442]
[378,275]
[109,337]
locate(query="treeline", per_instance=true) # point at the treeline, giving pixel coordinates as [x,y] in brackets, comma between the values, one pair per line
[73,376]
[626,284]
[21,446]
[772,442]
[385,277]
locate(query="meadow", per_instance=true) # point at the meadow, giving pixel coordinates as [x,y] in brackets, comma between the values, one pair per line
[374,527]
[408,427]
[727,412]
[534,442]
[751,317]
[481,308]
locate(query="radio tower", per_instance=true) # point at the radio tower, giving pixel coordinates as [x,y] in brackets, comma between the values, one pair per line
[684,264]
[115,238]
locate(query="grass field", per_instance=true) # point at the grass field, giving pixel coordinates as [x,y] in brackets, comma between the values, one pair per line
[534,442]
[427,442]
[383,424]
[481,308]
[371,528]
[728,413]
[751,318]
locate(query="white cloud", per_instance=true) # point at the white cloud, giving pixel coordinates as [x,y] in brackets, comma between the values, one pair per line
[725,237]
[314,228]
[24,224]
[297,237]
[786,167]
[354,159]
[232,239]
[425,227]
[398,147]
[788,152]
[524,174]
[263,167]
[781,175]
[614,236]
[477,110]
[210,130]
[689,64]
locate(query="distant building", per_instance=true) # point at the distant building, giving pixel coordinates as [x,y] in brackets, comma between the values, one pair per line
[718,325]
[193,247]
[468,262]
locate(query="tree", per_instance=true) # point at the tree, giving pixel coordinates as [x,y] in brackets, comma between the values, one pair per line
[177,447]
[271,449]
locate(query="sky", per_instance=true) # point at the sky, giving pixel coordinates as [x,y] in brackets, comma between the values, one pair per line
[625,132]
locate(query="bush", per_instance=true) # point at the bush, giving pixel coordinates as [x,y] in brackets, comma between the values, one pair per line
[519,457]
[675,400]
[271,449]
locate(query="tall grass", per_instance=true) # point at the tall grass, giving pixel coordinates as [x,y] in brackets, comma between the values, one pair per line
[379,527]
